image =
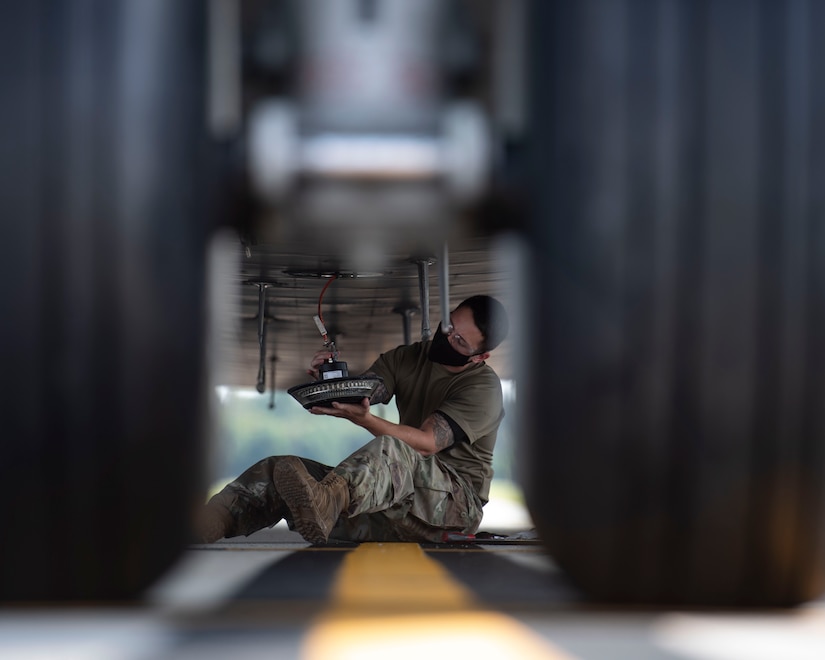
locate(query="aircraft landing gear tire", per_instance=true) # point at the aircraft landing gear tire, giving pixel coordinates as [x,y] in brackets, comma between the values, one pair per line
[676,422]
[104,232]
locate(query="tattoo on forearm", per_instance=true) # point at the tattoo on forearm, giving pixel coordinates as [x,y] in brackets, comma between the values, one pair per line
[381,394]
[443,433]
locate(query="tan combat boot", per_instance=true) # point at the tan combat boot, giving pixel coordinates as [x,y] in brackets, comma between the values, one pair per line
[244,506]
[315,505]
[213,521]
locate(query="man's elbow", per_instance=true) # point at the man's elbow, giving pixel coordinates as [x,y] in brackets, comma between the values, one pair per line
[427,449]
[430,449]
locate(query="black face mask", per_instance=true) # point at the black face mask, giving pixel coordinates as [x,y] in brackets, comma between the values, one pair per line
[442,352]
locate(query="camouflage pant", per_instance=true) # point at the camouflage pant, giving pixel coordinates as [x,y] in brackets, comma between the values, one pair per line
[252,500]
[396,494]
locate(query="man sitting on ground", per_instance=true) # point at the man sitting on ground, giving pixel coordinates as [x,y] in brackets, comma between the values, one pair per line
[416,480]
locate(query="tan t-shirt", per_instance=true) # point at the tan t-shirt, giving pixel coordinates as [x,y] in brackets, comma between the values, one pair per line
[472,399]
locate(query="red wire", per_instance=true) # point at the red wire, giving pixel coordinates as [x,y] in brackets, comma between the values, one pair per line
[321,297]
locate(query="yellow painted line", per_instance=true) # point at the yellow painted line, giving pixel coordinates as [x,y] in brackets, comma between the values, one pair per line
[391,601]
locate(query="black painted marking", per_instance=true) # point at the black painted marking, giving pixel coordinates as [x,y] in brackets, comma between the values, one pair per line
[305,575]
[498,581]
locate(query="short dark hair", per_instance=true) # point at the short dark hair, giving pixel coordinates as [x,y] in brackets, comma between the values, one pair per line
[490,318]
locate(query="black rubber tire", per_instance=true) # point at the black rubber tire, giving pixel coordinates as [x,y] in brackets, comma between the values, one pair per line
[676,415]
[103,238]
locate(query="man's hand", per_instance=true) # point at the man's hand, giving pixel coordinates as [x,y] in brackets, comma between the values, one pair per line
[317,360]
[357,413]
